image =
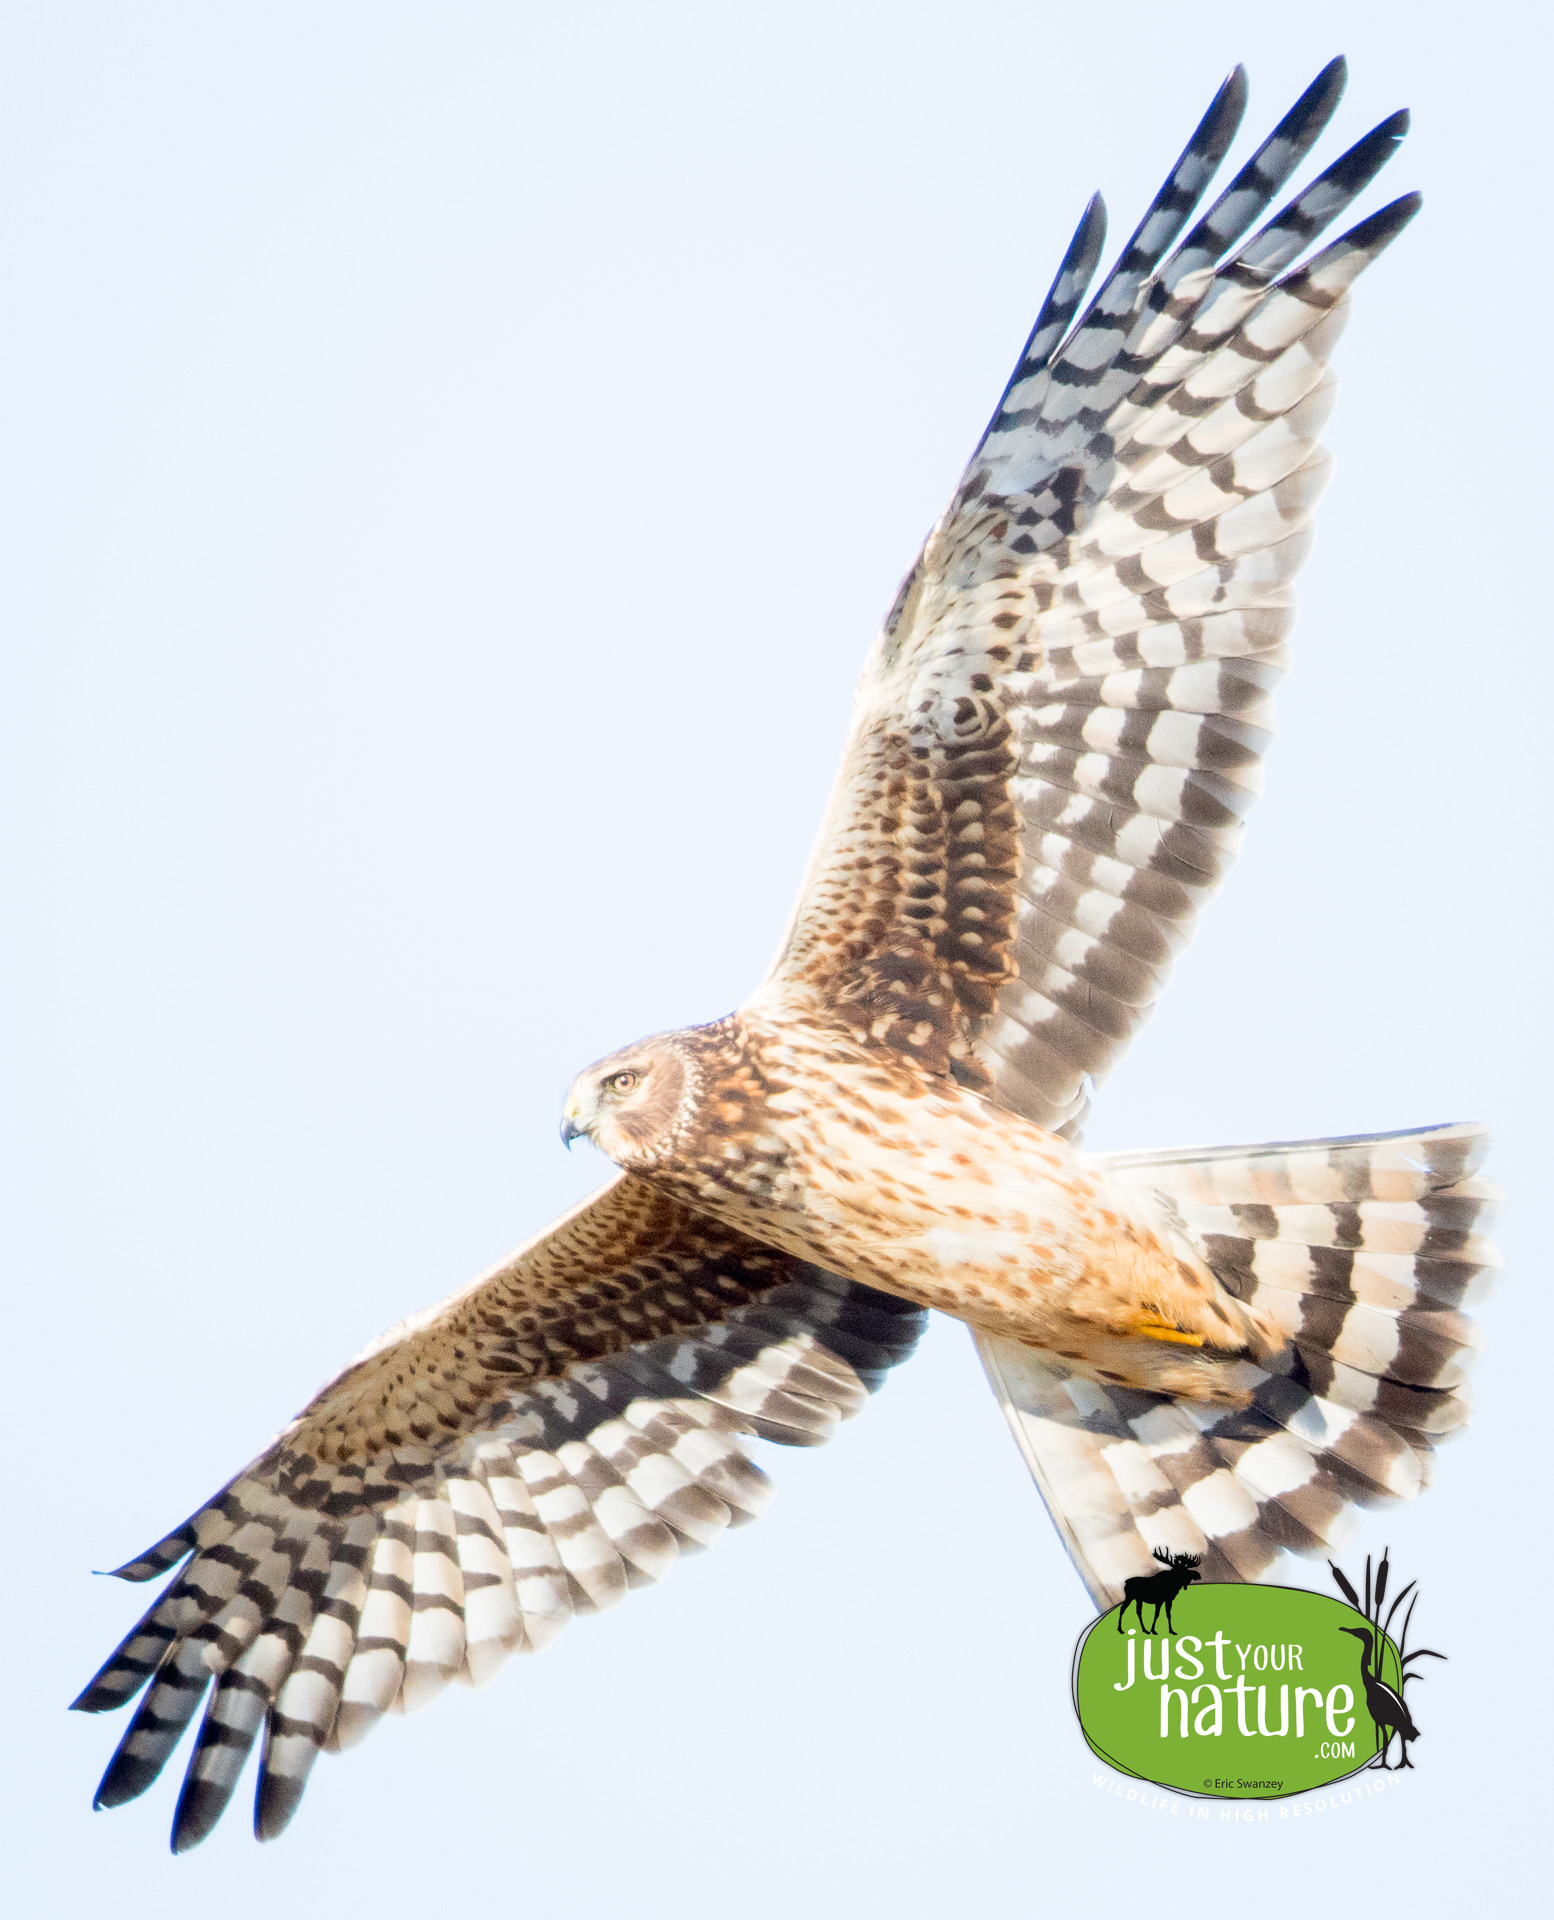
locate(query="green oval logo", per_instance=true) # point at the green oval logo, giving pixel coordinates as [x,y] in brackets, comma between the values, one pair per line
[1249,1693]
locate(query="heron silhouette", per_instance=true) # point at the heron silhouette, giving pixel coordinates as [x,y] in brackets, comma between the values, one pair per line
[1389,1710]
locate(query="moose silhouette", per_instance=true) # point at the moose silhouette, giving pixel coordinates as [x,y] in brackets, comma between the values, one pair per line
[1159,1589]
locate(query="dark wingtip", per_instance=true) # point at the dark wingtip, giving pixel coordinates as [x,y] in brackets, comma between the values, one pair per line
[156,1560]
[1358,166]
[200,1806]
[1219,125]
[126,1780]
[1090,235]
[277,1799]
[1382,228]
[1317,105]
[1366,158]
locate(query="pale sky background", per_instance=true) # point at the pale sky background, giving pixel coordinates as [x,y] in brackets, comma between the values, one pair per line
[455,457]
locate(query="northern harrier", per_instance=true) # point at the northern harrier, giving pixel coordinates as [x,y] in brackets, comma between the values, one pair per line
[1057,735]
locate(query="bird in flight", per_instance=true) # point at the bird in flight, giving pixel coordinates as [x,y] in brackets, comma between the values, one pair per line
[1059,730]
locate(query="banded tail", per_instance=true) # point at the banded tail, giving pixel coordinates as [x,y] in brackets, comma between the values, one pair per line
[1364,1251]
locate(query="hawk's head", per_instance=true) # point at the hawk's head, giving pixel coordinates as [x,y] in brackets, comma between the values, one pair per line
[633,1104]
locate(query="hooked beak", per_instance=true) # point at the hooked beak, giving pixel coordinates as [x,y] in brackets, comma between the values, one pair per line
[570,1130]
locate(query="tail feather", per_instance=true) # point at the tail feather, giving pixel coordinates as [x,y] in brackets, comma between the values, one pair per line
[1362,1251]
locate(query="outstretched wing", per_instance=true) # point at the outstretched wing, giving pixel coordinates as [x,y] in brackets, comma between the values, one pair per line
[545,1439]
[1060,728]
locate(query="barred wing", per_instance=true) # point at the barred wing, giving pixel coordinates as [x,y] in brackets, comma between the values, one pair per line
[1060,728]
[1365,1252]
[549,1437]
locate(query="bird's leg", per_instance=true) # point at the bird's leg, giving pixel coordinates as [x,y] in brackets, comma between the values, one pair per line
[1154,1328]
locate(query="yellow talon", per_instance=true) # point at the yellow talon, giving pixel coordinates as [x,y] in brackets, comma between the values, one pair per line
[1154,1329]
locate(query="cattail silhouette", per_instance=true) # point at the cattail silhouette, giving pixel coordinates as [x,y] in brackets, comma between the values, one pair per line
[1387,1708]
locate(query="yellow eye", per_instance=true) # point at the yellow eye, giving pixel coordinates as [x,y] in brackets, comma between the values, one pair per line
[623,1082]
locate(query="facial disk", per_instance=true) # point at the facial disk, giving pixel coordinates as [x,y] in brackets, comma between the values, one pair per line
[631,1104]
